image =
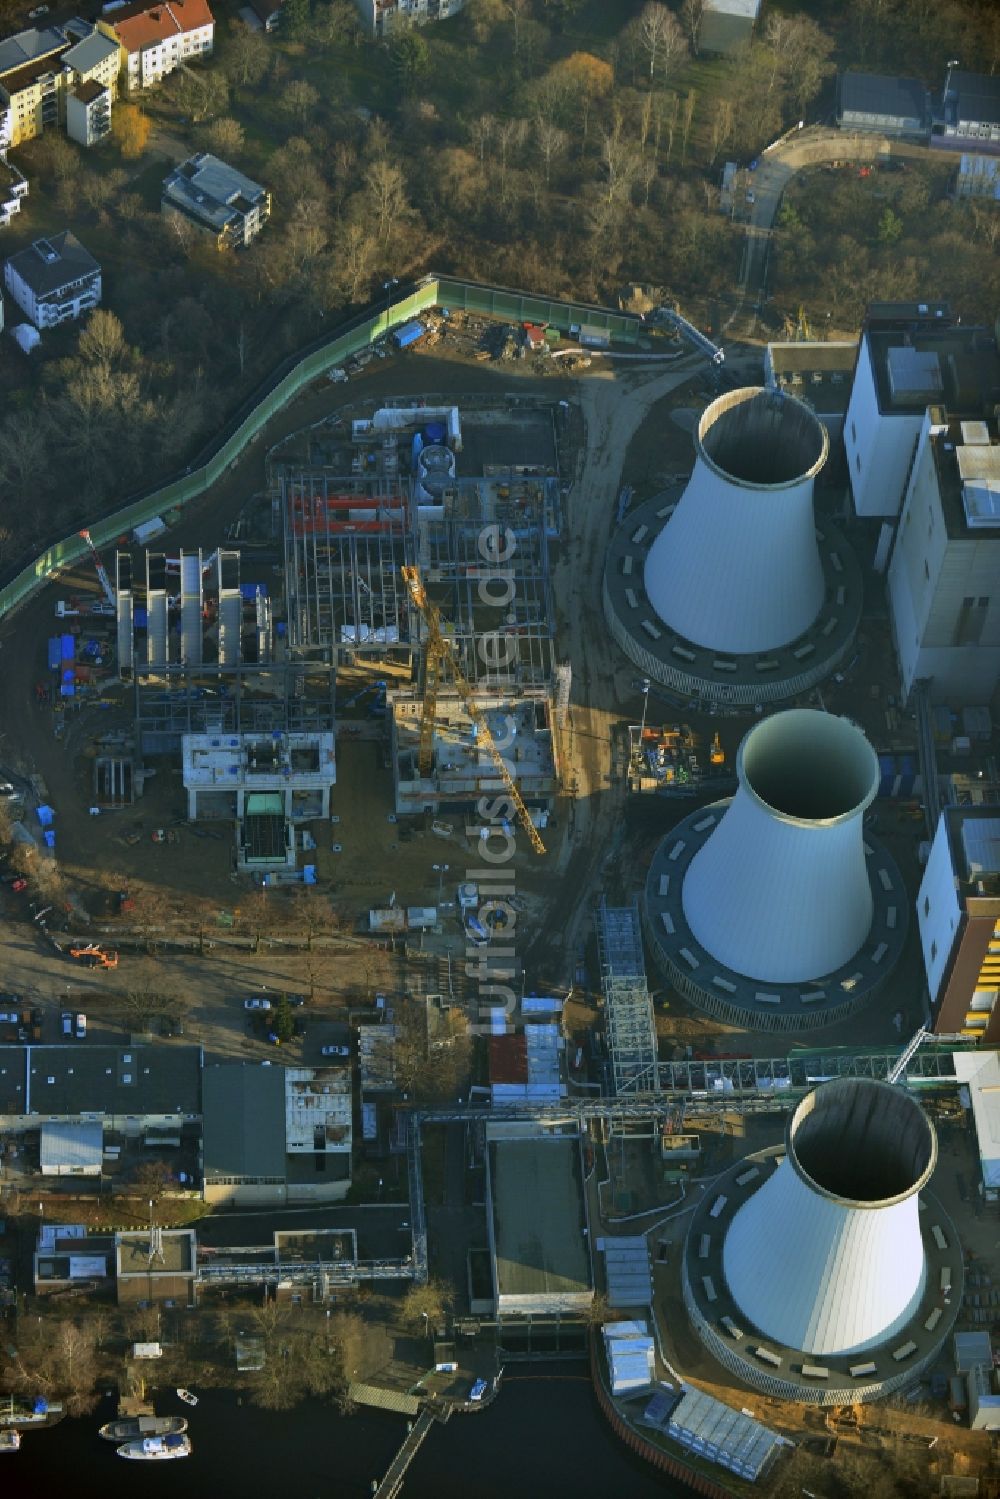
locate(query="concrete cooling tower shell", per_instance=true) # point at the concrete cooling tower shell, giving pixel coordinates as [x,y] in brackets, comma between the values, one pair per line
[780,891]
[829,1269]
[827,1256]
[737,567]
[778,910]
[726,588]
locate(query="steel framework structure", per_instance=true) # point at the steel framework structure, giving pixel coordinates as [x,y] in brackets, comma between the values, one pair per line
[345,540]
[629,1009]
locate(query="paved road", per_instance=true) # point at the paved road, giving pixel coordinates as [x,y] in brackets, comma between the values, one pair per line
[809,147]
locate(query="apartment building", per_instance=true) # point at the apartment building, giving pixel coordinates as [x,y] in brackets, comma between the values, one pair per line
[54,280]
[40,71]
[380,16]
[157,38]
[217,199]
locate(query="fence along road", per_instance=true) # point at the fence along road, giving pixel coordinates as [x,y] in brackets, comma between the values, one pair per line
[285,383]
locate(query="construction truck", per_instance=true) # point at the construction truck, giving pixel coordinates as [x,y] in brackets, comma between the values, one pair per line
[94,956]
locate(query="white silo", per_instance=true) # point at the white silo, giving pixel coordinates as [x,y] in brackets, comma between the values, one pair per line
[780,890]
[737,567]
[827,1255]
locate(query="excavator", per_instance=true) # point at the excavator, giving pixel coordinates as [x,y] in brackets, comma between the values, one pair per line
[95,956]
[440,658]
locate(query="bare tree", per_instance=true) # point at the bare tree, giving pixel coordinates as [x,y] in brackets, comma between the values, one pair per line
[687,118]
[723,122]
[300,99]
[386,191]
[551,142]
[692,13]
[660,36]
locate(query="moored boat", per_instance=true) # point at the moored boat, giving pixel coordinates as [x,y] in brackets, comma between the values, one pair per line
[156,1449]
[127,1429]
[187,1397]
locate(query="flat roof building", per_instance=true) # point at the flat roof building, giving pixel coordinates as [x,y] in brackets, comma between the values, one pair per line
[276,1135]
[944,571]
[887,105]
[912,355]
[971,111]
[128,1089]
[537,1222]
[217,199]
[958,916]
[818,373]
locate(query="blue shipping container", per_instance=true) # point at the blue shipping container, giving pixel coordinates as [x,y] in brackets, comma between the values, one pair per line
[55,653]
[68,648]
[408,334]
[249,591]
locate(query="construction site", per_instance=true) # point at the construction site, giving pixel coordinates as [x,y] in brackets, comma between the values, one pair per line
[396,663]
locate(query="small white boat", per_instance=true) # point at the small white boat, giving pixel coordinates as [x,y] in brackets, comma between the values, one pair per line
[156,1449]
[10,1441]
[187,1397]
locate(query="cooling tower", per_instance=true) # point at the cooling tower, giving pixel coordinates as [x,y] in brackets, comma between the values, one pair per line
[826,1271]
[780,890]
[827,1255]
[737,567]
[728,588]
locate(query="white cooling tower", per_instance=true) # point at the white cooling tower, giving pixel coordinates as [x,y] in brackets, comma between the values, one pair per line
[737,567]
[780,890]
[827,1255]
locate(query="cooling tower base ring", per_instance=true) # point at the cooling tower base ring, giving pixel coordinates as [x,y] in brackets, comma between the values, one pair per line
[780,1370]
[717,677]
[752,1004]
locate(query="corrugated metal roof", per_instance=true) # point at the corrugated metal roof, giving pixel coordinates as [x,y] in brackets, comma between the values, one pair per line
[705,1425]
[71,1146]
[879,94]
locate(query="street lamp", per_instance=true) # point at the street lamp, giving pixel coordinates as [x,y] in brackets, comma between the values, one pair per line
[440,870]
[953,62]
[645,685]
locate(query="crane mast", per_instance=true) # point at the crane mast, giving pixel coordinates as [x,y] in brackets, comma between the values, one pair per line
[440,657]
[102,572]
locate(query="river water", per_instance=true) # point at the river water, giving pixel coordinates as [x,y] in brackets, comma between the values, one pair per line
[544,1438]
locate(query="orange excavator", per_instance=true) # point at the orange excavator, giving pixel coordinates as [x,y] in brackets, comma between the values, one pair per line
[94,956]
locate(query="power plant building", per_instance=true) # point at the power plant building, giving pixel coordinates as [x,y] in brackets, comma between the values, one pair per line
[958,917]
[944,573]
[732,591]
[777,910]
[826,1272]
[912,356]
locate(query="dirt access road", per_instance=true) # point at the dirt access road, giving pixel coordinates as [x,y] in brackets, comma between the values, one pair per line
[614,406]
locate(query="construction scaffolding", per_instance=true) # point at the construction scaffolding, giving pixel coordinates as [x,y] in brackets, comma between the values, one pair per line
[345,542]
[629,1021]
[202,656]
[482,549]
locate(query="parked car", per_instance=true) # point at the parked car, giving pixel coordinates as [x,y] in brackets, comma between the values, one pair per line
[103,607]
[478,1390]
[256,1004]
[9,1017]
[7,789]
[80,1027]
[335,1051]
[66,1020]
[296,999]
[751,196]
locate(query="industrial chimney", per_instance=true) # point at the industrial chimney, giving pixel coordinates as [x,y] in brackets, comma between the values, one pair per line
[737,567]
[827,1256]
[780,890]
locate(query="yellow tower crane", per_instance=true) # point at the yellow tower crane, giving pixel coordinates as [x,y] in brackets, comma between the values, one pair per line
[440,656]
